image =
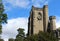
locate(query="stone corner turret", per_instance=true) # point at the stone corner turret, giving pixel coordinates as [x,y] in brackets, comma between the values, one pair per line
[52,17]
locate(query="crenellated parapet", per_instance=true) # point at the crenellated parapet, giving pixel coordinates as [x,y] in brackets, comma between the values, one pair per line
[35,8]
[45,6]
[39,20]
[52,17]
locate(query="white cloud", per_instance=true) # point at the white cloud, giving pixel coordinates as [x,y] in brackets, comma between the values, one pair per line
[40,3]
[17,3]
[57,21]
[24,3]
[10,29]
[9,4]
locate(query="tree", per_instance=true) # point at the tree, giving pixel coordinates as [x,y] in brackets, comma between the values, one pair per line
[42,36]
[45,36]
[58,28]
[3,17]
[20,35]
[11,39]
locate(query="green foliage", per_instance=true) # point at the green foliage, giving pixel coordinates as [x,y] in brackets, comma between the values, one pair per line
[1,40]
[11,39]
[45,36]
[0,0]
[20,39]
[0,29]
[20,35]
[42,36]
[33,38]
[58,28]
[3,16]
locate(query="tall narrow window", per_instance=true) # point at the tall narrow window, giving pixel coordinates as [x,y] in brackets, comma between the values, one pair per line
[39,17]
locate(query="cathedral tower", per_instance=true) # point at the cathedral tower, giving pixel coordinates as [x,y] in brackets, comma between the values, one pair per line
[45,17]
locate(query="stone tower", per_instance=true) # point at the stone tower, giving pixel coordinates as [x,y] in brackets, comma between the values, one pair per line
[35,23]
[52,23]
[39,20]
[45,17]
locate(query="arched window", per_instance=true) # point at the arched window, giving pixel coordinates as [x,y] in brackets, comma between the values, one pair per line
[39,17]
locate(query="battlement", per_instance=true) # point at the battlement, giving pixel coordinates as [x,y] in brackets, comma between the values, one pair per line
[35,8]
[35,25]
[52,17]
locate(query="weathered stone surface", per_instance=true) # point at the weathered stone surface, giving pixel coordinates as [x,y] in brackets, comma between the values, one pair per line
[45,17]
[39,20]
[52,22]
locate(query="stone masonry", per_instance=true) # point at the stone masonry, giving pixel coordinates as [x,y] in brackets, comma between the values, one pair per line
[39,20]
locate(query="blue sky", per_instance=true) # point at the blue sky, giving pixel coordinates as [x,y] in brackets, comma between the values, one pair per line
[24,11]
[54,7]
[18,12]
